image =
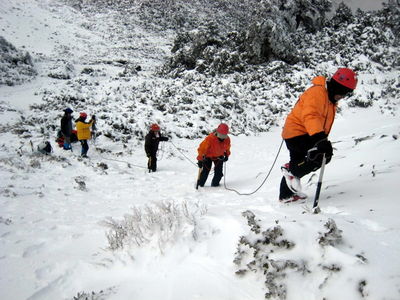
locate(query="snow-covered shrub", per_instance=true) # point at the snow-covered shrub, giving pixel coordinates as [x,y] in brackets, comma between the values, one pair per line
[6,221]
[100,295]
[253,255]
[81,184]
[61,70]
[16,65]
[343,17]
[331,237]
[290,32]
[159,224]
[269,253]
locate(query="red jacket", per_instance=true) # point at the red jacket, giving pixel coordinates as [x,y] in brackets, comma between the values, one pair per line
[212,147]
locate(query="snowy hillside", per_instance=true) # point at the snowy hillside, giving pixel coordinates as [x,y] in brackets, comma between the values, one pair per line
[104,228]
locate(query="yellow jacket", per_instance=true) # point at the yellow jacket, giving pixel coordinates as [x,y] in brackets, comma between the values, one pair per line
[83,130]
[312,113]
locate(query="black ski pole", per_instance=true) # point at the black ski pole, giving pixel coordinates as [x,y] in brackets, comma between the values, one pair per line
[316,209]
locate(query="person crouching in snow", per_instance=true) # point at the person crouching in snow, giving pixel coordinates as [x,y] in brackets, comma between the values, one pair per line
[307,128]
[152,139]
[83,131]
[215,148]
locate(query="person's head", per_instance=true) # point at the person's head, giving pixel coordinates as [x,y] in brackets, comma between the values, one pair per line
[83,115]
[68,111]
[154,127]
[222,131]
[342,84]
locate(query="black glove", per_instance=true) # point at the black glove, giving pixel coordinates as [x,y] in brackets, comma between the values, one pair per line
[94,117]
[148,154]
[321,146]
[226,158]
[325,146]
[316,138]
[200,163]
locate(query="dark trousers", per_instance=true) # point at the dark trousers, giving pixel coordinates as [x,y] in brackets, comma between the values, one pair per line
[152,163]
[299,164]
[207,164]
[85,147]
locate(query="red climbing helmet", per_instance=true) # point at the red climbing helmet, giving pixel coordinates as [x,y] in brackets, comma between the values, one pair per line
[83,115]
[154,127]
[223,129]
[346,77]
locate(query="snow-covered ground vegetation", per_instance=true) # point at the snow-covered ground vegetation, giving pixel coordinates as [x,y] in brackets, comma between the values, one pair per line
[104,228]
[15,65]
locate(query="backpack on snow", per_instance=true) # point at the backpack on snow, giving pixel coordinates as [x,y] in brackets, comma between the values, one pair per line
[45,147]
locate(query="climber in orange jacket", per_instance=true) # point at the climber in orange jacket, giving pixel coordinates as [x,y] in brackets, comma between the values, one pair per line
[307,128]
[215,148]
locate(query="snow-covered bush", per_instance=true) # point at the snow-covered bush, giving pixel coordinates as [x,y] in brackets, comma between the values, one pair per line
[100,295]
[16,65]
[264,37]
[159,225]
[6,221]
[229,14]
[276,258]
[61,70]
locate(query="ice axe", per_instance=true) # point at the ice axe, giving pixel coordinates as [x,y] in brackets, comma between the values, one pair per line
[199,172]
[94,130]
[198,177]
[149,164]
[316,208]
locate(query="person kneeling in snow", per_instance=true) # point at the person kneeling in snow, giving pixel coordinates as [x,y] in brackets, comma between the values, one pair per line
[307,128]
[83,131]
[152,139]
[215,148]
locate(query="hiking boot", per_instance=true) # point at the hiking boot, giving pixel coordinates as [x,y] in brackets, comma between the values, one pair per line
[292,181]
[294,198]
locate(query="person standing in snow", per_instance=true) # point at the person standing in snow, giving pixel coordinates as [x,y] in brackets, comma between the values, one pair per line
[83,131]
[215,148]
[66,128]
[152,139]
[307,128]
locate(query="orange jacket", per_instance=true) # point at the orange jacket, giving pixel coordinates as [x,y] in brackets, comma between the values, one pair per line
[83,130]
[212,147]
[312,113]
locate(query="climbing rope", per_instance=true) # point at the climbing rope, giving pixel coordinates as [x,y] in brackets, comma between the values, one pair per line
[265,179]
[117,160]
[183,154]
[231,189]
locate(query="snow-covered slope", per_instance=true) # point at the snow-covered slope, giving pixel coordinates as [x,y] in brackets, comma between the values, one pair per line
[106,229]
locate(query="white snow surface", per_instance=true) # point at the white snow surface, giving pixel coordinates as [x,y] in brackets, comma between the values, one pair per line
[53,242]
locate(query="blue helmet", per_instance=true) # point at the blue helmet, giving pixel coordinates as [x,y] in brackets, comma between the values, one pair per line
[68,111]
